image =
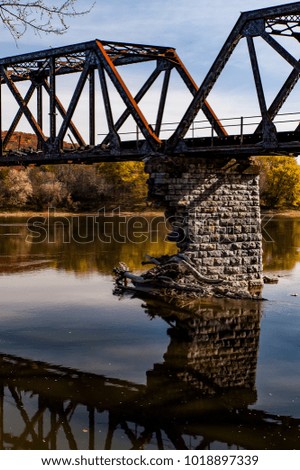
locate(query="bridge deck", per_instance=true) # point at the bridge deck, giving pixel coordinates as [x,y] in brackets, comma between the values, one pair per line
[236,146]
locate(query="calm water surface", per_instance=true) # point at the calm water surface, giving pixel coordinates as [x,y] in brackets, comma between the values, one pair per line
[81,368]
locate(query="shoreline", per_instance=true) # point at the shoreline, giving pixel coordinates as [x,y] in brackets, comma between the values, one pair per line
[57,213]
[127,213]
[281,213]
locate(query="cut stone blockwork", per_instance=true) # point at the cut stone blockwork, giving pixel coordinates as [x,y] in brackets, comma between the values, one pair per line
[213,207]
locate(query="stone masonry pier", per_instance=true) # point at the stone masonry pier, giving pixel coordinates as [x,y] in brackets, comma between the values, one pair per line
[213,207]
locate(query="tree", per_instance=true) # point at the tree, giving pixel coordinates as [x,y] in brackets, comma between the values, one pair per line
[39,15]
[280,182]
[16,188]
[82,184]
[127,182]
[47,190]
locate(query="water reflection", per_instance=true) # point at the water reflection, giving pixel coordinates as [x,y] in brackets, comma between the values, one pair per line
[201,395]
[80,244]
[85,244]
[281,243]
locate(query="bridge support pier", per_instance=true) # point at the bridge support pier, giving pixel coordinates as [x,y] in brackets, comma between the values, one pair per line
[214,210]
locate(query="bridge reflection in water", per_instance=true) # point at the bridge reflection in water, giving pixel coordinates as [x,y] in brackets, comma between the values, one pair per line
[201,396]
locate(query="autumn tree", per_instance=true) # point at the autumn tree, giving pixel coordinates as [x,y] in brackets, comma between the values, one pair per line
[47,190]
[127,182]
[15,188]
[38,15]
[280,182]
[83,185]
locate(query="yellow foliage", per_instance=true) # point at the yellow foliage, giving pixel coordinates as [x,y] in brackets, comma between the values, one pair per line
[125,178]
[280,181]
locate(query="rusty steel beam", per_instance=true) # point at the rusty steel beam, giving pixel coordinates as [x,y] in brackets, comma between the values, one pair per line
[268,128]
[72,58]
[43,68]
[63,112]
[249,25]
[113,136]
[18,116]
[281,97]
[107,64]
[281,50]
[146,86]
[23,105]
[206,108]
[206,86]
[39,104]
[162,102]
[92,108]
[52,113]
[73,103]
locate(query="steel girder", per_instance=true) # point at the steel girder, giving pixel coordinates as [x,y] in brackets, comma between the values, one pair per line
[283,20]
[41,69]
[104,59]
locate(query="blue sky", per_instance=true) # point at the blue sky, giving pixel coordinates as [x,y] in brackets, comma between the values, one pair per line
[196,28]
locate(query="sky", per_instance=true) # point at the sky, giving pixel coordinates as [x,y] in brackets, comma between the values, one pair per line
[196,28]
[191,26]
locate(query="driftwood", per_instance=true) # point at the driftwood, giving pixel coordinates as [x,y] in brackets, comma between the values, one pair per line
[164,265]
[171,277]
[186,262]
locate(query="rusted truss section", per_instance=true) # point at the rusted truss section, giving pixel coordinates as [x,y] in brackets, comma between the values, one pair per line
[97,65]
[265,23]
[41,69]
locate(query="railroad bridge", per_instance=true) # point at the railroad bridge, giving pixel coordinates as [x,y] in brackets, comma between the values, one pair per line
[200,168]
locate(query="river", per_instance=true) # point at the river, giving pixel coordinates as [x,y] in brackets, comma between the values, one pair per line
[82,368]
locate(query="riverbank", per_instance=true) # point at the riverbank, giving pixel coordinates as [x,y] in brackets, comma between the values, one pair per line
[56,213]
[147,212]
[286,213]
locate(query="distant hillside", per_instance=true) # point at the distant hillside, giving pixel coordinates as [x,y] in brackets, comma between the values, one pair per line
[21,140]
[24,140]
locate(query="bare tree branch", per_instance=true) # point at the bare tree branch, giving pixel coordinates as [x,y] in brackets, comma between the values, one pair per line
[38,15]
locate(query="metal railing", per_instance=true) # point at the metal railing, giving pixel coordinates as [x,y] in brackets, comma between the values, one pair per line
[234,126]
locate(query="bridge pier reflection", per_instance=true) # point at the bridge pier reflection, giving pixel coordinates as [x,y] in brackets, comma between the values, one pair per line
[202,393]
[215,349]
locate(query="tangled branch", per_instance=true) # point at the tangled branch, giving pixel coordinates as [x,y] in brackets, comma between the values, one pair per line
[38,15]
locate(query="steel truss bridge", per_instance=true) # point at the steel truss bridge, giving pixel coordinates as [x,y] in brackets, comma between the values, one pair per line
[95,69]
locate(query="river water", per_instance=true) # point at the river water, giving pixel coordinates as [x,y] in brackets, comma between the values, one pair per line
[81,368]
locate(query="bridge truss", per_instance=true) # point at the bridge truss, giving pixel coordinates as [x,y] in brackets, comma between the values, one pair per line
[100,63]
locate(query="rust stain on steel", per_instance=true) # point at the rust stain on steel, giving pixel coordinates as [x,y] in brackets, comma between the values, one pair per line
[127,92]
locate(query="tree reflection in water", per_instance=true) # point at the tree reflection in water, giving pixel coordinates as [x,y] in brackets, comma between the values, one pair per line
[281,244]
[80,244]
[201,395]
